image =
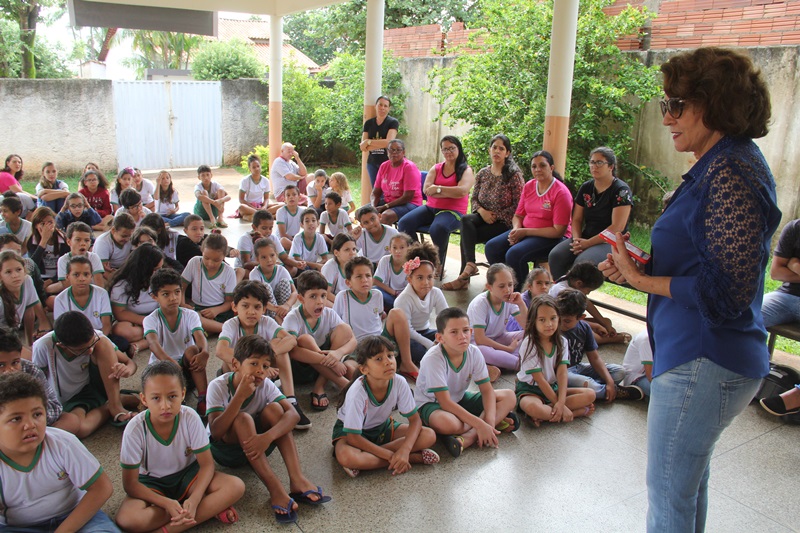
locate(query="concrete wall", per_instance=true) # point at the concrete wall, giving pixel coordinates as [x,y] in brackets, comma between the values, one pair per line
[241,118]
[69,122]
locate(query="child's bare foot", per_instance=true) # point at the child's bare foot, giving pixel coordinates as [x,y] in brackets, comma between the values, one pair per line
[285,510]
[586,411]
[308,493]
[494,373]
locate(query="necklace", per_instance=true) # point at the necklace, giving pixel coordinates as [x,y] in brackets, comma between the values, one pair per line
[596,197]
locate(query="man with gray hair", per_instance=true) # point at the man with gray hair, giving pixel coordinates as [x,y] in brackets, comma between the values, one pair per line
[397,189]
[285,171]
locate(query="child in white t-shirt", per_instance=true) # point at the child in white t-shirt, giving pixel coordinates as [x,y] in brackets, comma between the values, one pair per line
[114,246]
[308,245]
[211,198]
[289,216]
[334,219]
[83,296]
[343,249]
[79,239]
[19,304]
[212,281]
[638,363]
[276,276]
[389,276]
[372,238]
[254,190]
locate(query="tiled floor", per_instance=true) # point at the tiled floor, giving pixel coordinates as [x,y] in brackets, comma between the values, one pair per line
[583,476]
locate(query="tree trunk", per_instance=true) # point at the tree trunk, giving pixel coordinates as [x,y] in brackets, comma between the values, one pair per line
[110,32]
[28,16]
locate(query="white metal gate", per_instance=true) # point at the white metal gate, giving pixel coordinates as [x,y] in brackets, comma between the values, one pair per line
[168,124]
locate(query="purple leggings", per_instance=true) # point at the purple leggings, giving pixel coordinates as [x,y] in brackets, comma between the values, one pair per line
[502,358]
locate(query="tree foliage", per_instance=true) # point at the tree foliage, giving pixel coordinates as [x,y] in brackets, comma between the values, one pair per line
[229,60]
[502,88]
[48,61]
[27,14]
[161,49]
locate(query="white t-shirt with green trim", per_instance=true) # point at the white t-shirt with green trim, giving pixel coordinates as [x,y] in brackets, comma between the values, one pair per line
[437,374]
[335,227]
[386,274]
[279,273]
[483,315]
[296,323]
[221,391]
[266,328]
[533,362]
[255,192]
[143,306]
[23,233]
[364,317]
[290,221]
[27,298]
[361,410]
[67,374]
[108,250]
[94,259]
[175,340]
[314,253]
[334,274]
[209,291]
[375,249]
[638,354]
[97,306]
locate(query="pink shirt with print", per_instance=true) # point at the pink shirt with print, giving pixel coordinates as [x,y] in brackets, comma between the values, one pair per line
[394,181]
[553,208]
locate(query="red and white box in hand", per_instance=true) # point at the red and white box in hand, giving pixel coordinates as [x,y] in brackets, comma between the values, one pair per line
[634,251]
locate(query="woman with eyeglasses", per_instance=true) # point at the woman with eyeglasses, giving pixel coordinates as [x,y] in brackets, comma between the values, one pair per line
[603,202]
[710,249]
[447,187]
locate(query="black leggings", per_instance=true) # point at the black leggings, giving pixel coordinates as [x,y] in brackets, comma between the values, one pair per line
[475,230]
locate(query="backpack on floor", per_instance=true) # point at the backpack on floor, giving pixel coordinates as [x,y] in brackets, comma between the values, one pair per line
[780,379]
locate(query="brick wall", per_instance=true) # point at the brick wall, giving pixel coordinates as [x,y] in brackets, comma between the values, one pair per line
[425,41]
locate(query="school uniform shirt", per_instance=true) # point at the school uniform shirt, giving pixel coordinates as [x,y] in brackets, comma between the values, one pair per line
[289,220]
[361,410]
[164,206]
[437,374]
[375,249]
[296,323]
[313,253]
[418,310]
[109,250]
[52,485]
[94,259]
[147,191]
[113,197]
[386,274]
[175,340]
[143,449]
[143,306]
[221,391]
[89,216]
[483,315]
[143,212]
[247,245]
[97,306]
[364,317]
[556,288]
[24,231]
[67,374]
[232,329]
[255,192]
[332,272]
[335,227]
[214,188]
[638,355]
[580,340]
[346,196]
[27,298]
[53,407]
[209,291]
[279,273]
[533,362]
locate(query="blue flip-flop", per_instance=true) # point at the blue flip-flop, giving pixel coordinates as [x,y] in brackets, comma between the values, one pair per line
[304,497]
[288,516]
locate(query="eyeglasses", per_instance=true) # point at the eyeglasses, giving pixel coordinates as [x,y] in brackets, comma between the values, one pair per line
[673,106]
[449,149]
[398,150]
[75,206]
[83,352]
[598,163]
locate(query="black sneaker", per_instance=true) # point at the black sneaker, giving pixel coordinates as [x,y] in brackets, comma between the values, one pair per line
[775,406]
[304,422]
[631,392]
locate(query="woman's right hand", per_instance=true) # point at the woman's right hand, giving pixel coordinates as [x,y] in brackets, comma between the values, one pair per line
[363,145]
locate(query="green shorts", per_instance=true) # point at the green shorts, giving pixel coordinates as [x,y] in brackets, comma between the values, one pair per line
[232,455]
[523,389]
[174,486]
[92,396]
[221,318]
[380,434]
[472,402]
[303,373]
[200,210]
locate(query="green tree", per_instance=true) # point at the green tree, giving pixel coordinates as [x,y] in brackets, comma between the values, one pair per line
[49,61]
[502,88]
[230,60]
[27,14]
[309,32]
[161,49]
[95,45]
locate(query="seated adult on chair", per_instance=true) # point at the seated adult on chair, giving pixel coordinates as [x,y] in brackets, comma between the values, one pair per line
[782,305]
[397,188]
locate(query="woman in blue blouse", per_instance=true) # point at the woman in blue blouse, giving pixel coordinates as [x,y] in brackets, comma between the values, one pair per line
[706,277]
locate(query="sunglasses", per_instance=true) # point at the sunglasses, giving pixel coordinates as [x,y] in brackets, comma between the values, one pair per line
[673,106]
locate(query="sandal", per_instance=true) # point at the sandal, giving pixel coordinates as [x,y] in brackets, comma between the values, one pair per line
[304,497]
[462,281]
[454,444]
[288,516]
[319,397]
[117,423]
[228,516]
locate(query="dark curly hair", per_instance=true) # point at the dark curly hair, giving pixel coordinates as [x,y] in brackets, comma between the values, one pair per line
[137,270]
[426,251]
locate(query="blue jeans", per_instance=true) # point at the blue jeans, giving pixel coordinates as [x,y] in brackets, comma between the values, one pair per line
[498,250]
[690,406]
[175,220]
[644,384]
[441,222]
[372,170]
[99,523]
[583,373]
[780,308]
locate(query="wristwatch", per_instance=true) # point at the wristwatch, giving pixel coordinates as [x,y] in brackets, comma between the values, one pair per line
[438,190]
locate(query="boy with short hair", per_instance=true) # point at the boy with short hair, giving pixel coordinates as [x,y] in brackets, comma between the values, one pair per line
[83,296]
[189,244]
[175,333]
[373,239]
[84,368]
[213,281]
[211,198]
[114,246]
[13,223]
[67,483]
[131,203]
[334,218]
[248,417]
[249,302]
[79,239]
[308,245]
[461,417]
[323,339]
[602,378]
[289,216]
[263,224]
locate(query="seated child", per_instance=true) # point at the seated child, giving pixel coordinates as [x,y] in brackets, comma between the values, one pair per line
[389,276]
[9,241]
[254,190]
[130,295]
[248,417]
[124,181]
[365,435]
[638,363]
[94,187]
[490,311]
[212,281]
[83,296]
[263,224]
[11,360]
[78,210]
[334,219]
[602,378]
[538,282]
[79,239]
[166,240]
[586,277]
[309,246]
[317,189]
[167,200]
[211,198]
[174,334]
[276,276]
[344,249]
[373,238]
[143,235]
[340,186]
[323,339]
[46,245]
[131,203]
[42,499]
[19,304]
[84,368]
[114,246]
[167,468]
[145,188]
[189,244]
[288,216]
[361,306]
[542,390]
[461,417]
[249,301]
[13,223]
[51,191]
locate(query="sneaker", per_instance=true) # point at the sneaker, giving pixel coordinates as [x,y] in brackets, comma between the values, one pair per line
[429,457]
[631,392]
[304,422]
[352,472]
[776,406]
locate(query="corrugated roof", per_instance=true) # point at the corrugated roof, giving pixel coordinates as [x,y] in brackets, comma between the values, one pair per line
[256,33]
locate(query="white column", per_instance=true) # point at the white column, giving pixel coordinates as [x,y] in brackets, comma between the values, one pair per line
[275,88]
[373,78]
[559,80]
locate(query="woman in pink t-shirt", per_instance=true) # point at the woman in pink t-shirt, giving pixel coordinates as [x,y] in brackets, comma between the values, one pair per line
[9,181]
[397,190]
[542,219]
[447,187]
